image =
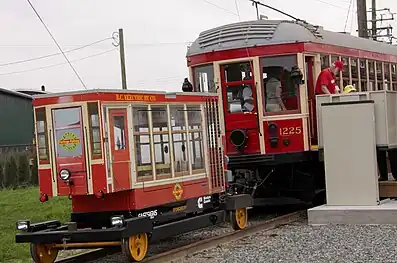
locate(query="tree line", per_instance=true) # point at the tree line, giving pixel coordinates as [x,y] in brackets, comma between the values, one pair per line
[18,170]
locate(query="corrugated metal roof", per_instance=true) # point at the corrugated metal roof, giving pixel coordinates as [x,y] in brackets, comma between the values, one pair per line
[271,32]
[15,93]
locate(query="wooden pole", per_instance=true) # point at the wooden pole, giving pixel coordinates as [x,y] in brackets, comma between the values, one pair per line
[122,60]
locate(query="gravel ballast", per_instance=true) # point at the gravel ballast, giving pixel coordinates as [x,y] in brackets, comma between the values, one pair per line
[187,238]
[301,243]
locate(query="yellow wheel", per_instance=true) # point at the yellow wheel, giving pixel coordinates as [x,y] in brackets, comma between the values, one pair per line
[239,218]
[43,253]
[135,247]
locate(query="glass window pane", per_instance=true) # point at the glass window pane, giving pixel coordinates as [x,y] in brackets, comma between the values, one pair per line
[180,152]
[194,117]
[240,98]
[204,78]
[238,71]
[65,118]
[162,154]
[177,118]
[160,118]
[141,119]
[196,151]
[143,156]
[281,93]
[119,133]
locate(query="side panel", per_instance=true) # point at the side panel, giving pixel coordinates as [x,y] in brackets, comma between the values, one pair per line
[45,181]
[147,196]
[99,183]
[69,147]
[120,149]
[289,134]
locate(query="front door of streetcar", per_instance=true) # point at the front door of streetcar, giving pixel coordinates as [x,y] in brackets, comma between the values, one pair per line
[120,161]
[240,108]
[70,150]
[311,84]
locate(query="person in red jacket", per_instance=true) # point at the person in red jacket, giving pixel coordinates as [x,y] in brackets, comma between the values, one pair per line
[326,82]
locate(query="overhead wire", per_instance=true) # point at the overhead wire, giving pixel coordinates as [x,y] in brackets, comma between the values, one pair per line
[53,54]
[58,64]
[217,6]
[59,47]
[348,14]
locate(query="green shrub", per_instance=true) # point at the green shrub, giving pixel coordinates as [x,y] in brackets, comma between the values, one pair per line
[11,172]
[1,175]
[34,175]
[23,170]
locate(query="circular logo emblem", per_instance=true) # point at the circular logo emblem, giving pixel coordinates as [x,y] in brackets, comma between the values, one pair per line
[69,141]
[177,192]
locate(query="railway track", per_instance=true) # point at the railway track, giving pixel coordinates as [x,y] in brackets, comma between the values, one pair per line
[193,247]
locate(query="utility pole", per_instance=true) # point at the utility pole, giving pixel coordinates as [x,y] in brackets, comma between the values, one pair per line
[378,33]
[122,59]
[362,18]
[373,20]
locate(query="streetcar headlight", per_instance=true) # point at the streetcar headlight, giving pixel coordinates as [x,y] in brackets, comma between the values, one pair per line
[226,159]
[117,221]
[23,225]
[64,174]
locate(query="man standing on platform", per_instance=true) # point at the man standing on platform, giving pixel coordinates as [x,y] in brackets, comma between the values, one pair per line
[326,83]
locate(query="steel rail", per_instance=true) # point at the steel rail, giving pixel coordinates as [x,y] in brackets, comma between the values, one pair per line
[196,246]
[201,245]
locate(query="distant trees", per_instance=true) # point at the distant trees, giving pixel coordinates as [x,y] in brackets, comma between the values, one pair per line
[18,170]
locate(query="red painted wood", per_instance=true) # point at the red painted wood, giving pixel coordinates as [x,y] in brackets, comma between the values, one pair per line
[114,97]
[242,52]
[99,178]
[139,198]
[76,164]
[291,129]
[121,162]
[241,120]
[278,49]
[45,181]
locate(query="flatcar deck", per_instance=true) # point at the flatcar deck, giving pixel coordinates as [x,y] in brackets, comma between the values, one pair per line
[388,189]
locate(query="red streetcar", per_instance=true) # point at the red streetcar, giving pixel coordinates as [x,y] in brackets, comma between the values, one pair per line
[137,165]
[264,73]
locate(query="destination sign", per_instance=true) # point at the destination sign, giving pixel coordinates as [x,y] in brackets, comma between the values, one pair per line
[135,97]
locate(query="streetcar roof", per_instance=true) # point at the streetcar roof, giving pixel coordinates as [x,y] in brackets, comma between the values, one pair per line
[272,32]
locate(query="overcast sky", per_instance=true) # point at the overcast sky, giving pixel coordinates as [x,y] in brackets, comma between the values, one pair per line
[156,34]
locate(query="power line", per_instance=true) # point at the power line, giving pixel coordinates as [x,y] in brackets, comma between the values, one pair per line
[60,49]
[54,54]
[217,6]
[348,14]
[59,64]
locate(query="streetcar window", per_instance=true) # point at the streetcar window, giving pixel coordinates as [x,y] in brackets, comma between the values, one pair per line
[394,76]
[41,130]
[324,61]
[161,141]
[371,70]
[95,133]
[386,74]
[68,132]
[143,157]
[280,92]
[363,75]
[237,71]
[204,78]
[119,133]
[195,139]
[179,137]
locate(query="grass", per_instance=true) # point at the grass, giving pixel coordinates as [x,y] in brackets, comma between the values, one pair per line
[24,204]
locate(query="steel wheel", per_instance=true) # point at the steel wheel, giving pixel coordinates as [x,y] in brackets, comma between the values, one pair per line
[43,253]
[135,247]
[239,219]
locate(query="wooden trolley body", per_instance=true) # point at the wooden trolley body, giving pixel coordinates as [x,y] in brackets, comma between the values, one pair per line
[128,150]
[137,165]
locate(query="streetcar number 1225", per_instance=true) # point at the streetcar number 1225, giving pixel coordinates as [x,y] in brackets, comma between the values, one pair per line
[290,131]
